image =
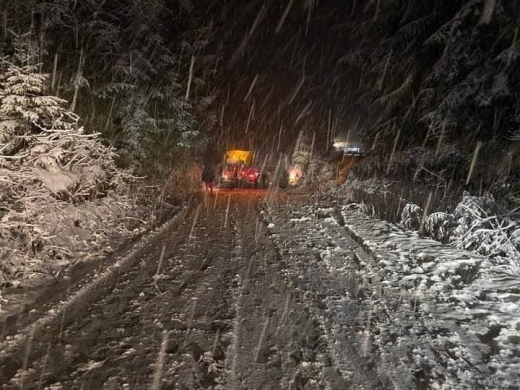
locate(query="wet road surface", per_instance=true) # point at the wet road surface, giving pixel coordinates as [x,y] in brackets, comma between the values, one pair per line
[208,301]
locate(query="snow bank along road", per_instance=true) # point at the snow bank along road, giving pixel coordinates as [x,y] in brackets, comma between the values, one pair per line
[431,315]
[213,299]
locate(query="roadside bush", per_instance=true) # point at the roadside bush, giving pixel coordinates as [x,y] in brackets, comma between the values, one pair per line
[477,224]
[440,226]
[411,216]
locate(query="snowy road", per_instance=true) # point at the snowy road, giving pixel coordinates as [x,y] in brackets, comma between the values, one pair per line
[213,299]
[252,290]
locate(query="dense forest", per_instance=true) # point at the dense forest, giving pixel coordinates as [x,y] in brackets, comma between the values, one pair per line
[431,90]
[402,75]
[438,81]
[124,67]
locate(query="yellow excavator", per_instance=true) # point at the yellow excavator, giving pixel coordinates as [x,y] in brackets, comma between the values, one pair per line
[238,169]
[245,168]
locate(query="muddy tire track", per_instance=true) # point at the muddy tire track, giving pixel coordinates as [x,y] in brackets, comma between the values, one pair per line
[201,305]
[259,356]
[217,300]
[19,348]
[112,336]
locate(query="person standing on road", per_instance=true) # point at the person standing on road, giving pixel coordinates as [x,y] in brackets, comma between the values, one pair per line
[208,177]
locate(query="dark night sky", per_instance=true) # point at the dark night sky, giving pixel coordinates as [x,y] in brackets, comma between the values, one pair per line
[251,42]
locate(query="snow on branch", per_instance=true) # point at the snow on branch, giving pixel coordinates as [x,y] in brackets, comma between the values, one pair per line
[47,163]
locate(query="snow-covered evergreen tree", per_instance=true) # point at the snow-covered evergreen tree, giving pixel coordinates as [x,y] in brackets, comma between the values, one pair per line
[46,160]
[38,131]
[443,72]
[125,71]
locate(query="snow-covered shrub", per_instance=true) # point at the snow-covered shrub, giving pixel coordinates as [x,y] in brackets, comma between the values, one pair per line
[440,226]
[39,135]
[480,228]
[302,154]
[363,208]
[411,216]
[472,207]
[515,236]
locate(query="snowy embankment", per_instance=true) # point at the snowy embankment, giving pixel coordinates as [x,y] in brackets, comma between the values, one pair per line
[448,315]
[62,197]
[81,295]
[429,315]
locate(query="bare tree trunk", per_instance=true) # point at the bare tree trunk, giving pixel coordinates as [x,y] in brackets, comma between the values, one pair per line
[4,24]
[58,86]
[487,13]
[40,46]
[109,116]
[54,70]
[190,77]
[329,127]
[78,81]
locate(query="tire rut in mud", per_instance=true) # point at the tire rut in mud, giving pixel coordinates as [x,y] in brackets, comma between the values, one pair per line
[203,305]
[38,328]
[259,356]
[337,353]
[113,339]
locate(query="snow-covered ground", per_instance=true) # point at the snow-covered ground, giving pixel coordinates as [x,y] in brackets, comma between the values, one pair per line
[303,294]
[432,315]
[452,314]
